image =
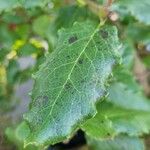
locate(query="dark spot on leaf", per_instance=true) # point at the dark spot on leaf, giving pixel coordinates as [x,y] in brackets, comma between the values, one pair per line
[80,61]
[82,81]
[68,85]
[68,56]
[75,66]
[102,121]
[56,103]
[57,120]
[72,39]
[38,119]
[105,92]
[72,92]
[108,134]
[45,98]
[104,34]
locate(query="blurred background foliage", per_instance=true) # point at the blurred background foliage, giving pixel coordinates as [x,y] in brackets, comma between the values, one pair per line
[28,31]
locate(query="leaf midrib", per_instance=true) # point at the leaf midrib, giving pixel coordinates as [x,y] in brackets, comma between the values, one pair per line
[69,76]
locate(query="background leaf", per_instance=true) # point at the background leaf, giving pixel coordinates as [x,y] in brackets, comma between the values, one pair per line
[17,136]
[119,143]
[140,10]
[10,4]
[125,110]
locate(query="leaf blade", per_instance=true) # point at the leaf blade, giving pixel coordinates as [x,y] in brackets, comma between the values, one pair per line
[126,109]
[137,9]
[118,143]
[68,82]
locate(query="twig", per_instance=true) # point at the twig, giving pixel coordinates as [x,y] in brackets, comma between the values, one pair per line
[100,10]
[109,3]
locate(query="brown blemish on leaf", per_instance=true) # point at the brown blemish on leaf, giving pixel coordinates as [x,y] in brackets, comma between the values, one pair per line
[41,101]
[72,39]
[68,85]
[104,34]
[80,61]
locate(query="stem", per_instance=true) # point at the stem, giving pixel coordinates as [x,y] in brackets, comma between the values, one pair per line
[109,3]
[94,7]
[99,10]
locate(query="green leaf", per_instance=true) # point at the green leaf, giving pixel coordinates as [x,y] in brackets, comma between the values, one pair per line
[27,50]
[69,14]
[138,33]
[10,4]
[12,71]
[128,52]
[44,22]
[17,136]
[33,3]
[125,92]
[3,53]
[119,143]
[121,95]
[7,37]
[70,81]
[140,10]
[111,121]
[126,110]
[99,127]
[146,61]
